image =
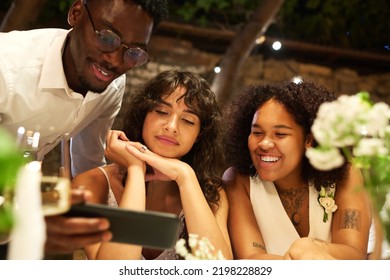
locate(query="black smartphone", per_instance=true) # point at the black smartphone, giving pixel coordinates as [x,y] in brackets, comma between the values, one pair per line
[147,228]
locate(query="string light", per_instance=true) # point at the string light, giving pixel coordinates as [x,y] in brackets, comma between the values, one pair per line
[297,79]
[277,45]
[260,40]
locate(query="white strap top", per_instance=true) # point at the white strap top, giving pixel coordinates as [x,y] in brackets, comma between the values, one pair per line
[111,200]
[276,228]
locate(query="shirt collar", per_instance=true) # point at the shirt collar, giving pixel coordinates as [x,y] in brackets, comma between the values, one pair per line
[53,75]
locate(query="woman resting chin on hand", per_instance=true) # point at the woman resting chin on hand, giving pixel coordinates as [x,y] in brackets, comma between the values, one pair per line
[172,164]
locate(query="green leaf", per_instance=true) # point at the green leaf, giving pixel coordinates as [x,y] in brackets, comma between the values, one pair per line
[325,217]
[11,160]
[6,219]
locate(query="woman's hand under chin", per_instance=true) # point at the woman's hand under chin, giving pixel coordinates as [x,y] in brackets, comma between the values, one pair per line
[116,150]
[159,168]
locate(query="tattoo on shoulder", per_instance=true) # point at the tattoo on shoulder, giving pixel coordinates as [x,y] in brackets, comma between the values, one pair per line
[258,245]
[350,219]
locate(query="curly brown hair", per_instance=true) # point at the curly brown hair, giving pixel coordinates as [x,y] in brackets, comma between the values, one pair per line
[301,100]
[205,157]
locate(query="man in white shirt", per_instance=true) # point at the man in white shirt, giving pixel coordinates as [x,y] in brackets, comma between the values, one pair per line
[70,83]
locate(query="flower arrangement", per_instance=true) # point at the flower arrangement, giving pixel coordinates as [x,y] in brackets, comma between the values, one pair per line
[354,128]
[201,249]
[326,200]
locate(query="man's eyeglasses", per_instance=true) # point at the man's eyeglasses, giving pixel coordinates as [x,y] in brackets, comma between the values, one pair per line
[108,41]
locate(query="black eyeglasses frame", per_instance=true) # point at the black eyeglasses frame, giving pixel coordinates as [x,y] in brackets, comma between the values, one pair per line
[128,55]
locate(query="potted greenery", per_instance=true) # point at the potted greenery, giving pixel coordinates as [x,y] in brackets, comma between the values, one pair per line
[11,160]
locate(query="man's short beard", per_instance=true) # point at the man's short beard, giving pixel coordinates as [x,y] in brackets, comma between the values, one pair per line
[89,87]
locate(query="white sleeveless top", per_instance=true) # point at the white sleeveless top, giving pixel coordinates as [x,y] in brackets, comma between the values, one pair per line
[276,227]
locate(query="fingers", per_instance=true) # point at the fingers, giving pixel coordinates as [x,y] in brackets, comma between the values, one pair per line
[162,168]
[143,149]
[66,234]
[116,142]
[136,148]
[115,138]
[117,134]
[63,244]
[75,225]
[139,151]
[80,195]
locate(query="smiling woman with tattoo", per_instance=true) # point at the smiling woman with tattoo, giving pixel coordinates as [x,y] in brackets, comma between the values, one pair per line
[280,206]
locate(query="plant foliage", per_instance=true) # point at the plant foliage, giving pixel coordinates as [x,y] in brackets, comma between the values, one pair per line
[354,24]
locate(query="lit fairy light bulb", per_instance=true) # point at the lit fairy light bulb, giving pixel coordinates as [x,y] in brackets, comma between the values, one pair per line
[297,79]
[277,45]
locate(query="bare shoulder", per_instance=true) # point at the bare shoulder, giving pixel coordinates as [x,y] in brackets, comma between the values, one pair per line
[95,181]
[235,181]
[352,182]
[231,174]
[87,177]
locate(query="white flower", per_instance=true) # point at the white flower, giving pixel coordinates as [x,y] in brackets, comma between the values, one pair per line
[370,147]
[192,240]
[181,248]
[377,118]
[201,249]
[349,121]
[325,159]
[329,204]
[340,122]
[360,130]
[326,200]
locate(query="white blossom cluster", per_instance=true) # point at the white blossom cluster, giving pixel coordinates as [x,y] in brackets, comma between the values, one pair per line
[349,122]
[201,249]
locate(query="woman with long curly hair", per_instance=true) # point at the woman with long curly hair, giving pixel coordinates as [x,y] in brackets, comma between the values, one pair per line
[167,159]
[280,207]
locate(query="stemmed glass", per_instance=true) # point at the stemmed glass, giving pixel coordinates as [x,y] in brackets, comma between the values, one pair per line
[55,190]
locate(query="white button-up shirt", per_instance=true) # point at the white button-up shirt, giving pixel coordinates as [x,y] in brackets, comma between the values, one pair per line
[34,94]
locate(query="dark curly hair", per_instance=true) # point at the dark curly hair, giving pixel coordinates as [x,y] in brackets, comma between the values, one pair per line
[205,157]
[301,100]
[157,9]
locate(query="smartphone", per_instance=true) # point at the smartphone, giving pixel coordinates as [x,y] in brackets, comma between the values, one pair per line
[150,229]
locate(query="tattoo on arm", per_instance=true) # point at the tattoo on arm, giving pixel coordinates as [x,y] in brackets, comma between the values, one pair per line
[320,241]
[350,219]
[259,245]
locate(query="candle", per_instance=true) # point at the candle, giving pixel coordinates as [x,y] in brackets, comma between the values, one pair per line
[19,136]
[28,236]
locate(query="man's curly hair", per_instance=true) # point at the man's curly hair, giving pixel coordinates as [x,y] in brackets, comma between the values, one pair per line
[157,9]
[302,101]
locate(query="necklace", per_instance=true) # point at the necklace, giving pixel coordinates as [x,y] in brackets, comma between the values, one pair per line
[293,200]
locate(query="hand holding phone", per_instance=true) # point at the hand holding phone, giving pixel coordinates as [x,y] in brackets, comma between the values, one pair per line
[146,228]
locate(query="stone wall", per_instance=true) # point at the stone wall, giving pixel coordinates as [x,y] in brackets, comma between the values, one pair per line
[167,53]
